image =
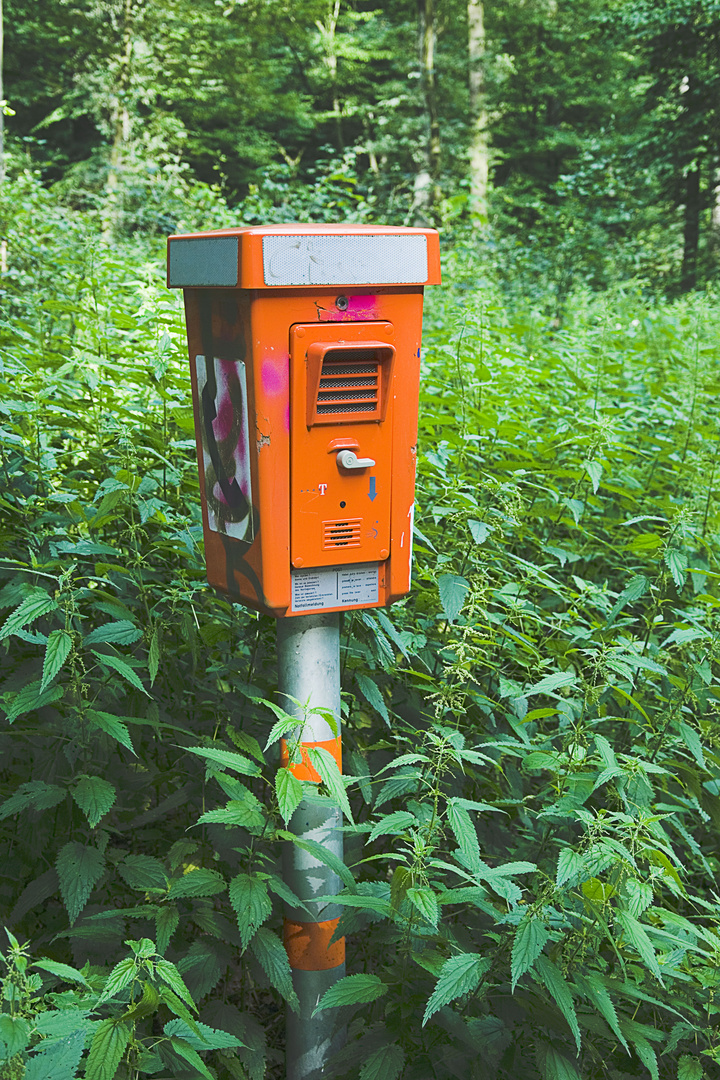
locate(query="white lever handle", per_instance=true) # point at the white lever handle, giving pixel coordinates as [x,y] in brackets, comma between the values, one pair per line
[348,459]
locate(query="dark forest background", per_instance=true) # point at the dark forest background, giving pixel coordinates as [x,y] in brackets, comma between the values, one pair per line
[582,139]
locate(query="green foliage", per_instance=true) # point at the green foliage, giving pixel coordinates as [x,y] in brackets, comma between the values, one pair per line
[532,812]
[352,990]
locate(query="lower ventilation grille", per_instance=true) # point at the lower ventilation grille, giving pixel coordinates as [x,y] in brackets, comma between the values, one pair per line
[342,533]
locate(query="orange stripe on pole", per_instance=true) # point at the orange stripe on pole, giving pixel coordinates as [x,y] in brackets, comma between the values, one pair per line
[303,770]
[308,945]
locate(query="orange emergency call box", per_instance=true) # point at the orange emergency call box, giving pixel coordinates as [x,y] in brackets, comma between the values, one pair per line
[304,345]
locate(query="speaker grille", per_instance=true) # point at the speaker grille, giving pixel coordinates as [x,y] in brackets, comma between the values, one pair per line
[342,533]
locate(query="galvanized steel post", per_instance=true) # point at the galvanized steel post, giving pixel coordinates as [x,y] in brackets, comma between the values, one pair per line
[309,670]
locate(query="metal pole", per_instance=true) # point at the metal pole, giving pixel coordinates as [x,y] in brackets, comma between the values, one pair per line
[309,669]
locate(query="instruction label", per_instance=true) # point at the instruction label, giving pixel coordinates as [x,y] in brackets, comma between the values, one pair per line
[335,586]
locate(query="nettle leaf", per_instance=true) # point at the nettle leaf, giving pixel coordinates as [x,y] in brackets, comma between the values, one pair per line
[371,691]
[551,683]
[122,632]
[108,1046]
[252,904]
[59,1061]
[560,990]
[570,865]
[528,943]
[79,870]
[555,1065]
[463,827]
[33,607]
[289,793]
[639,896]
[186,1051]
[643,1048]
[327,768]
[270,953]
[693,743]
[176,1006]
[479,531]
[31,697]
[392,632]
[384,1064]
[14,1033]
[246,812]
[638,938]
[57,650]
[594,470]
[121,976]
[203,966]
[635,588]
[143,872]
[62,971]
[453,590]
[36,892]
[426,903]
[459,975]
[690,1068]
[323,855]
[166,923]
[122,668]
[352,990]
[677,563]
[94,796]
[154,655]
[276,885]
[281,728]
[112,726]
[35,795]
[197,881]
[393,825]
[170,975]
[227,758]
[209,1039]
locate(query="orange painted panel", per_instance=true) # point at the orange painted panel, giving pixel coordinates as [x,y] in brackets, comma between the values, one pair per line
[274,427]
[308,945]
[303,770]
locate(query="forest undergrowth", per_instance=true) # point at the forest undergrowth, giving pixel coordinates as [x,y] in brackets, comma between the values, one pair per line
[532,736]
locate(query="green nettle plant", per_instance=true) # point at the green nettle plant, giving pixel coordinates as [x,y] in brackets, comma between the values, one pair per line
[532,788]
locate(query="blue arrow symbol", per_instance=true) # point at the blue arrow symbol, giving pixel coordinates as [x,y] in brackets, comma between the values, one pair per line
[372,493]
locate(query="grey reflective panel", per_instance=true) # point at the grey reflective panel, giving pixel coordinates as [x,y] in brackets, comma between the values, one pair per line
[207,260]
[383,259]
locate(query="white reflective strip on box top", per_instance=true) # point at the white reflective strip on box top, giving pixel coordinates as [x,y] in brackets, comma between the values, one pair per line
[385,259]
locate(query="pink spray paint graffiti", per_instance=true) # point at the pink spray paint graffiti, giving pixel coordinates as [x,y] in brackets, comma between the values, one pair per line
[222,387]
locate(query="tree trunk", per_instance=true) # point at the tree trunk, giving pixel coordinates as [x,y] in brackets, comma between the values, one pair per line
[120,126]
[691,232]
[427,190]
[479,149]
[714,237]
[328,31]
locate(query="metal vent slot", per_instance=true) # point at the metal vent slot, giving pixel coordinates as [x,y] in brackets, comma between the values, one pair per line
[326,382]
[345,379]
[370,407]
[342,533]
[342,395]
